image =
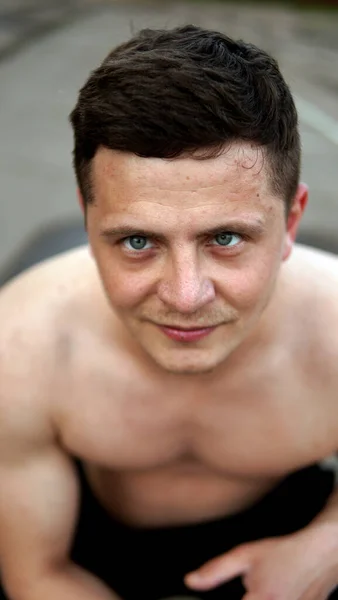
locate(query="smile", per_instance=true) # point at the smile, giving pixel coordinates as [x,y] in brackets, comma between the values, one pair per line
[186,335]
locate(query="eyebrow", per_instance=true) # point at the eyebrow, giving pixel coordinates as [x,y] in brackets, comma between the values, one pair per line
[254,228]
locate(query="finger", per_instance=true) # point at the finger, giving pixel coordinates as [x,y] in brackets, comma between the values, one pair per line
[220,569]
[253,596]
[318,590]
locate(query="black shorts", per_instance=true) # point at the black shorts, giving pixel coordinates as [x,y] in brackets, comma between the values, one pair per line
[150,564]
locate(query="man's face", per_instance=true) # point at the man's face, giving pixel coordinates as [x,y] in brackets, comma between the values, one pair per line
[188,250]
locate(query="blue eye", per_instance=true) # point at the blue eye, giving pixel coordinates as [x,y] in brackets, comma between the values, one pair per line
[227,239]
[136,242]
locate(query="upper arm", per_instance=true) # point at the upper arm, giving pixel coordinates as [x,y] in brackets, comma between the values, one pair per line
[38,506]
[38,483]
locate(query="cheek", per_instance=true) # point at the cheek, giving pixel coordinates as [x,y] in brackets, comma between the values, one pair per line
[250,284]
[125,289]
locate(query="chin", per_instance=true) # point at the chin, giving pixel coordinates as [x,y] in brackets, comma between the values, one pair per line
[187,359]
[188,362]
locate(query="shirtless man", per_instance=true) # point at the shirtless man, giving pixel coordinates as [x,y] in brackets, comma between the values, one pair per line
[168,395]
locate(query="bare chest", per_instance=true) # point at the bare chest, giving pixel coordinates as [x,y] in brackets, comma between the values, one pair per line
[236,430]
[162,454]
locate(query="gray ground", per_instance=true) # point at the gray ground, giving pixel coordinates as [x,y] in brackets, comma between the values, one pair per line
[47,49]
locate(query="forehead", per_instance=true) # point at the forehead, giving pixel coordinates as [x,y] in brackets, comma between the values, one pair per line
[236,180]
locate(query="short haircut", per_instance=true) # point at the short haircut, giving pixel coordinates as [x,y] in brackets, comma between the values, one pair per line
[166,93]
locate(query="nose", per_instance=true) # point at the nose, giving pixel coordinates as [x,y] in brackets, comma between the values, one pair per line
[184,286]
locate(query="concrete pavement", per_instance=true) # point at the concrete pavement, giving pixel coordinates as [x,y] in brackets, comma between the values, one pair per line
[39,84]
[22,21]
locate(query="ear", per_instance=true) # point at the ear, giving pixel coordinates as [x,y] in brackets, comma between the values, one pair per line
[294,217]
[80,200]
[82,205]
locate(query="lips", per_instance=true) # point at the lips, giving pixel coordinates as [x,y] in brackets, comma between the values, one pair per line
[187,335]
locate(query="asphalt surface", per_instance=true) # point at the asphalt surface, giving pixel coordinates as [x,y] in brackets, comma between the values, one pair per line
[47,49]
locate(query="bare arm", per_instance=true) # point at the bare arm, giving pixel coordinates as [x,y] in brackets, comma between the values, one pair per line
[39,493]
[38,508]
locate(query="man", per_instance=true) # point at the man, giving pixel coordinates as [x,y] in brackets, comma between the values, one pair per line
[167,398]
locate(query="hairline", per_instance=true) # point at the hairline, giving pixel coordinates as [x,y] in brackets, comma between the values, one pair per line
[86,184]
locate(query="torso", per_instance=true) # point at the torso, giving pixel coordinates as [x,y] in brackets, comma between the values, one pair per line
[157,456]
[159,450]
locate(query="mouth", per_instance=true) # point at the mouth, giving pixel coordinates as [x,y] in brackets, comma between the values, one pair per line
[186,335]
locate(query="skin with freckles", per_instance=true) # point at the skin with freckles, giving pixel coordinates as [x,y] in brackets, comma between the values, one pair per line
[188,359]
[184,277]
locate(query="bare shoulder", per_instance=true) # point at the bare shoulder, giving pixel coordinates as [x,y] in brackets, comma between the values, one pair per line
[307,261]
[35,318]
[313,276]
[311,290]
[33,300]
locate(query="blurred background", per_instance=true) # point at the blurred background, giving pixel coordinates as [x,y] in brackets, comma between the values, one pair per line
[48,47]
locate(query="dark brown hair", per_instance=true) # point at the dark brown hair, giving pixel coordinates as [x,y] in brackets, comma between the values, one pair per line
[166,93]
